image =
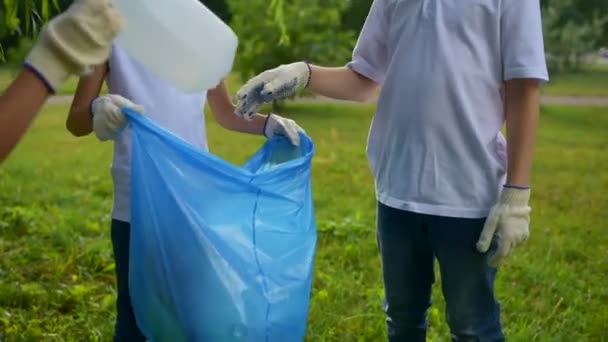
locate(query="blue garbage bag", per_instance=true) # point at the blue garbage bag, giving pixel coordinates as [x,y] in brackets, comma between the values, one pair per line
[219,252]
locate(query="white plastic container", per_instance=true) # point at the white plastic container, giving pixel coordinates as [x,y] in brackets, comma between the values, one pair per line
[181,41]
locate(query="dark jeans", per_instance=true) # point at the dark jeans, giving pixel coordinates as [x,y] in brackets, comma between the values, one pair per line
[126,329]
[409,244]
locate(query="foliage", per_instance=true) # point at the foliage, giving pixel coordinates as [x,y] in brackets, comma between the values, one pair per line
[16,54]
[23,17]
[570,34]
[219,8]
[354,16]
[313,28]
[588,9]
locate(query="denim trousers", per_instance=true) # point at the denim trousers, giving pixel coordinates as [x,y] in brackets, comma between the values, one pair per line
[125,328]
[409,243]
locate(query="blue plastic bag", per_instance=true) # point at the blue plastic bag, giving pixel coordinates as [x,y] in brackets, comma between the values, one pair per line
[220,252]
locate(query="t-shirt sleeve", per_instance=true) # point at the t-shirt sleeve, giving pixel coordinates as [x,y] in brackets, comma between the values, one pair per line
[523,50]
[370,55]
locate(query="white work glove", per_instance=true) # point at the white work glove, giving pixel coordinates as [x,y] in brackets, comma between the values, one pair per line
[509,222]
[108,118]
[276,125]
[75,41]
[275,84]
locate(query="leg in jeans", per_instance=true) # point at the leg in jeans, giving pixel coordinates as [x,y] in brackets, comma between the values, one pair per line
[407,266]
[473,313]
[126,328]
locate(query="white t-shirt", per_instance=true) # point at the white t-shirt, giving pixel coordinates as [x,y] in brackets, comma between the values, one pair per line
[435,145]
[181,114]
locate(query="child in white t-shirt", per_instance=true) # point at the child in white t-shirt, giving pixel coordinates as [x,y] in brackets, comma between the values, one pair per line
[445,186]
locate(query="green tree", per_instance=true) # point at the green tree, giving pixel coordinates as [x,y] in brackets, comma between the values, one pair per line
[313,29]
[354,17]
[219,8]
[582,12]
[570,32]
[589,9]
[23,17]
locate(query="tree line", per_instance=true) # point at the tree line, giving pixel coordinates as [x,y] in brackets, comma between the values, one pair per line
[273,32]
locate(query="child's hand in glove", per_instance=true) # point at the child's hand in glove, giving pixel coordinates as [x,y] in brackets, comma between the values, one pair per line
[274,84]
[509,222]
[108,118]
[276,125]
[75,41]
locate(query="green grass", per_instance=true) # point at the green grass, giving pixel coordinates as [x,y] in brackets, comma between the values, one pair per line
[56,269]
[590,81]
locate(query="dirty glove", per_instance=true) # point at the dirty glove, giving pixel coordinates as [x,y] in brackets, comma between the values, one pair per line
[75,41]
[276,125]
[108,118]
[508,222]
[275,84]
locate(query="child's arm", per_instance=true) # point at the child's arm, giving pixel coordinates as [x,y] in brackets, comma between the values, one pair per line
[522,116]
[223,112]
[524,69]
[80,120]
[341,83]
[267,125]
[99,114]
[18,107]
[70,43]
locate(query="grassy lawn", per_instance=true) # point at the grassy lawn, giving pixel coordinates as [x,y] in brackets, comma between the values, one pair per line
[56,269]
[590,81]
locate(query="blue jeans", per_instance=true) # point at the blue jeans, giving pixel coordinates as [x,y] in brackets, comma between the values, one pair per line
[126,328]
[409,244]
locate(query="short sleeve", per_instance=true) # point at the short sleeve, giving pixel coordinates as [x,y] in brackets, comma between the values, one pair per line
[522,44]
[370,55]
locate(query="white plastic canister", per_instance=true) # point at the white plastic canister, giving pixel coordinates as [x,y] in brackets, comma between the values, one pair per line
[181,41]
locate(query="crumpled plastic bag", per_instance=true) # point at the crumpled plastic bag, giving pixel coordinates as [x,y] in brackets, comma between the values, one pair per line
[220,252]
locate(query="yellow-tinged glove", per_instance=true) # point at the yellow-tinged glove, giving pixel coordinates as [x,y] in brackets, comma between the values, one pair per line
[508,223]
[75,41]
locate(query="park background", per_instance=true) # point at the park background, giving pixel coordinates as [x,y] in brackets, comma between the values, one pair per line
[56,266]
